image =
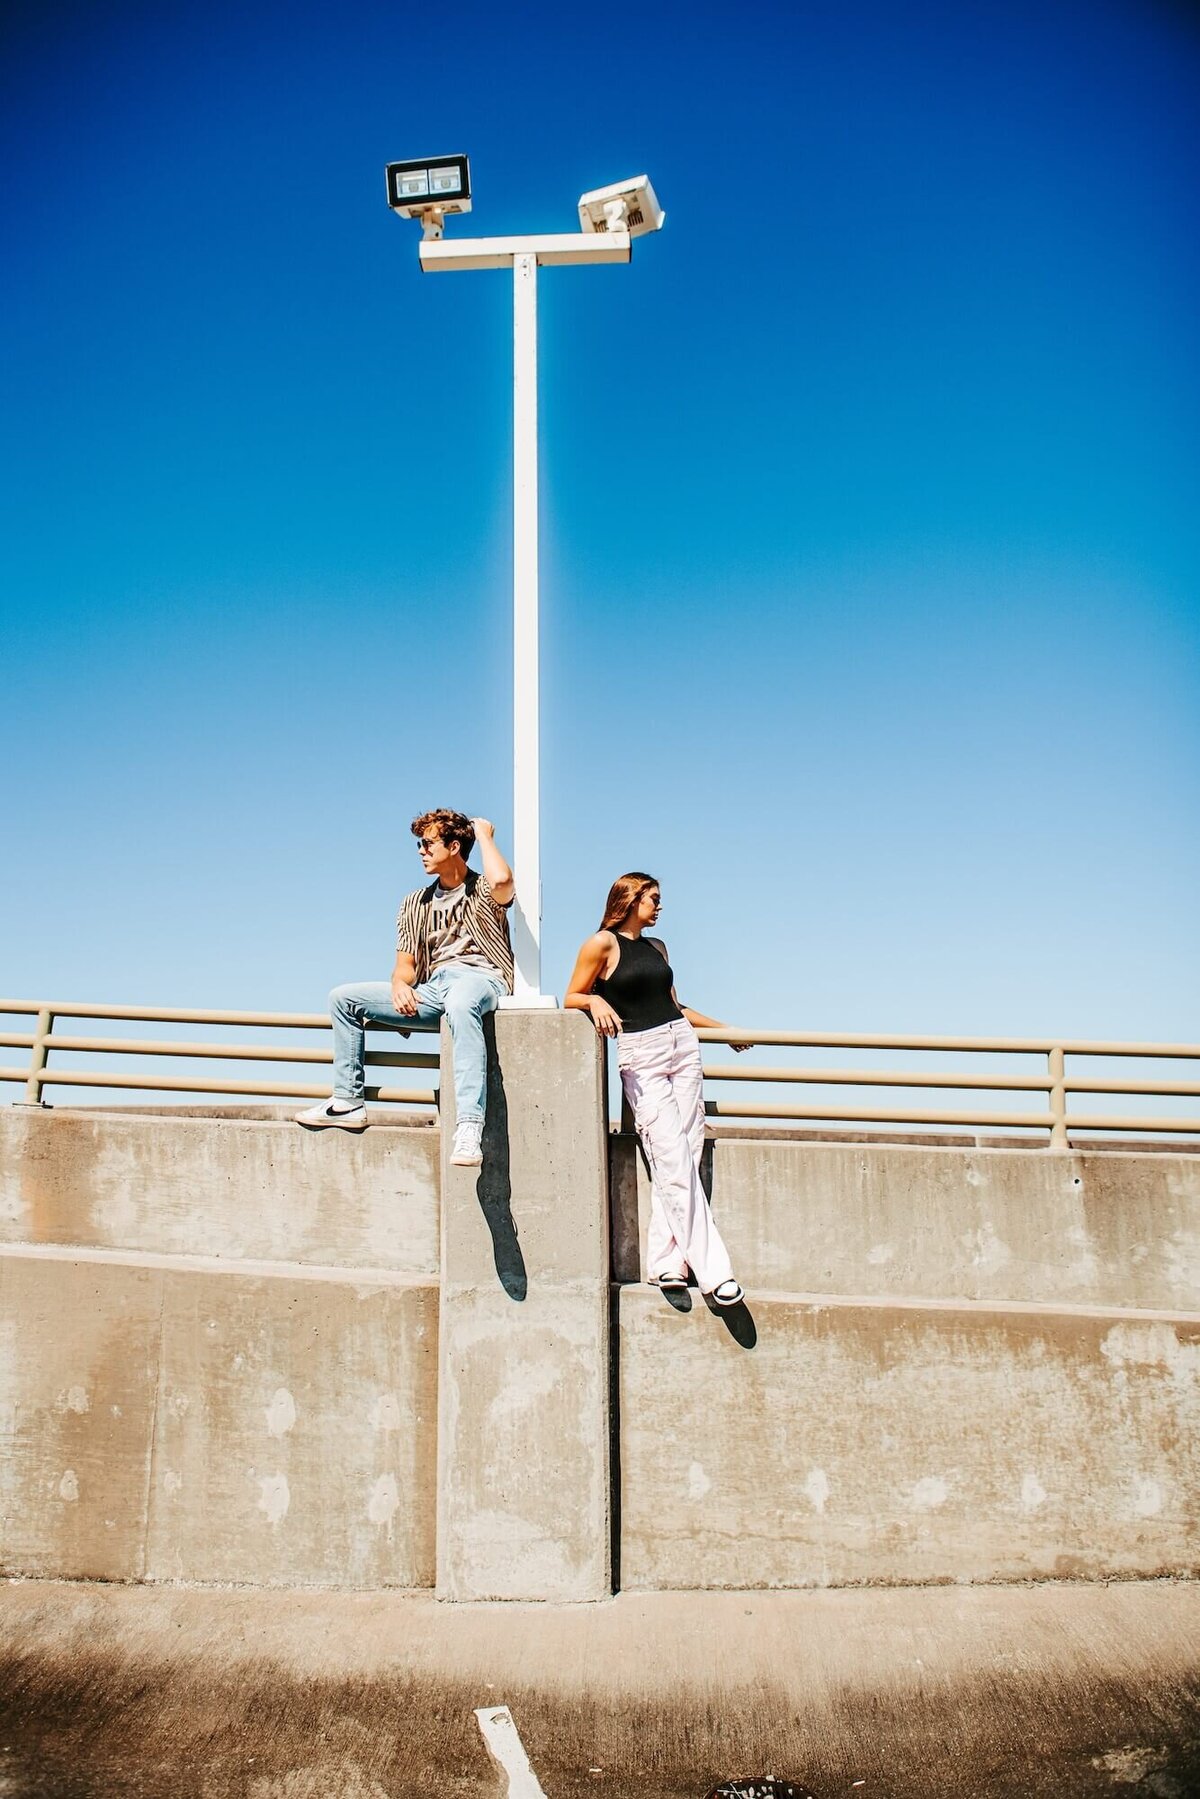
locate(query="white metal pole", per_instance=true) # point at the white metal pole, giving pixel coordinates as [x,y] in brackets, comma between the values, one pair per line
[525,253]
[527,932]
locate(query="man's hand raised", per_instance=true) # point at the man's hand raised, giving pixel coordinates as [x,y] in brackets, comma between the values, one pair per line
[498,873]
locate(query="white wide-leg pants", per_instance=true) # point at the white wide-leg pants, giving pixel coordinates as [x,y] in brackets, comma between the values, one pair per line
[664,1084]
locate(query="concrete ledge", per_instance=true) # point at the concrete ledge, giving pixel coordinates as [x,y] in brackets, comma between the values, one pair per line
[166,1423]
[1110,1229]
[833,1444]
[234,1188]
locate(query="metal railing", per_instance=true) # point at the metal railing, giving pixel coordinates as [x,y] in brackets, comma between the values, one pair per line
[45,1039]
[1056,1081]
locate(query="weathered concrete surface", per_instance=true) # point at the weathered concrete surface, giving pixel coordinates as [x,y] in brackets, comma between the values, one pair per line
[296,1433]
[229,1187]
[164,1422]
[1105,1228]
[918,1693]
[219,1354]
[824,1443]
[78,1373]
[523,1447]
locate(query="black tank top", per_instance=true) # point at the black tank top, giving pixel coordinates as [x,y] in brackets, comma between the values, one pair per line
[639,987]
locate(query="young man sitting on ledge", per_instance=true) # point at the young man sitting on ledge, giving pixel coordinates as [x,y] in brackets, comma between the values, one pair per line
[453,958]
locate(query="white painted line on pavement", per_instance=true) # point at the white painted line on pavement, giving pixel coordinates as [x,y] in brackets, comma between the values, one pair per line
[506,1748]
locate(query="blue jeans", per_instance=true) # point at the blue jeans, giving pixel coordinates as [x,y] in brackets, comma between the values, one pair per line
[463,995]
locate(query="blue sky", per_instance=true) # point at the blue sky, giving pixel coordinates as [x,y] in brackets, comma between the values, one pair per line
[871,535]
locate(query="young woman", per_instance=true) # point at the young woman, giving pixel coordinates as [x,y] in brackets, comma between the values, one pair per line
[623,979]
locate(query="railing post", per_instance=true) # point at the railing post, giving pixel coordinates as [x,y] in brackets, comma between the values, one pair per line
[37,1057]
[1058,1100]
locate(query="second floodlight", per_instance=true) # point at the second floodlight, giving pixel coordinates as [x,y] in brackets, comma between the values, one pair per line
[624,206]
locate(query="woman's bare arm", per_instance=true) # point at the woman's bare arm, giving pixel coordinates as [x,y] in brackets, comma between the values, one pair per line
[589,965]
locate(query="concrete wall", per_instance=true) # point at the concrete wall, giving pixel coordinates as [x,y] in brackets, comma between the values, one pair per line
[231,1350]
[172,1422]
[843,1443]
[218,1350]
[219,1342]
[953,1365]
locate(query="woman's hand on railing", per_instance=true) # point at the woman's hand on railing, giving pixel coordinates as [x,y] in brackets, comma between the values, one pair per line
[701,1021]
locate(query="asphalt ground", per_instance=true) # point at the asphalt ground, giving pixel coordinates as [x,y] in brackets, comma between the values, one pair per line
[143,1692]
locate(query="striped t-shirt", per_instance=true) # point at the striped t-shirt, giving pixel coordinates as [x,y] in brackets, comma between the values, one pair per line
[483,921]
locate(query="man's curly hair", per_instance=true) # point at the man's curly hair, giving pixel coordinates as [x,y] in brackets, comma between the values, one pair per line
[450,827]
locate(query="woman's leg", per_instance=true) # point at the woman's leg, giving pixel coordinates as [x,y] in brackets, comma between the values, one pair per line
[664,1258]
[646,1090]
[704,1245]
[687,1084]
[650,1062]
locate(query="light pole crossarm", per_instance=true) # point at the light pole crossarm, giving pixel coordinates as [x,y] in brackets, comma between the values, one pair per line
[562,250]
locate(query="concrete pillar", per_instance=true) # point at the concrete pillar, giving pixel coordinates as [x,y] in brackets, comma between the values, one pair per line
[524,1455]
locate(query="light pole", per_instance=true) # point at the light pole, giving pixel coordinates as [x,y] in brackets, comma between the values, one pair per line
[610,218]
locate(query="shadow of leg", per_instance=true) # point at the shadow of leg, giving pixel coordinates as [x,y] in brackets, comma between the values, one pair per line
[494,1186]
[623,1155]
[737,1320]
[765,1788]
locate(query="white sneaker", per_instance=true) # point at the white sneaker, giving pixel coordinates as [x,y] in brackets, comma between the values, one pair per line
[467,1152]
[343,1113]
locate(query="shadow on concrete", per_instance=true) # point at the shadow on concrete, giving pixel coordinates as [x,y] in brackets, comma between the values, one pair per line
[614,1436]
[623,1152]
[760,1788]
[89,1722]
[494,1186]
[738,1321]
[706,1169]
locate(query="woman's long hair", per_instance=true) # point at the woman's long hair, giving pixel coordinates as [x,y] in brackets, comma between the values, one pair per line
[623,896]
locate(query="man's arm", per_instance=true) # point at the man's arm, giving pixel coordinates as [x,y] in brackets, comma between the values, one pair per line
[496,870]
[404,973]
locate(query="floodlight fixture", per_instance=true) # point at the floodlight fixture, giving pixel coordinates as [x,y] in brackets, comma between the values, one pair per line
[429,189]
[622,206]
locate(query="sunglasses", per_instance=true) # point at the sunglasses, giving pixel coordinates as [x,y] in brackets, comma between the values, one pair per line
[428,843]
